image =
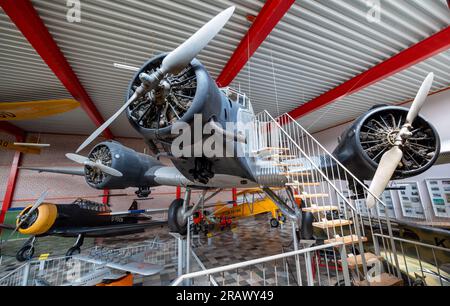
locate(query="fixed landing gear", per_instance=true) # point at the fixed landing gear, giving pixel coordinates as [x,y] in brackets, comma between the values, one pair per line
[26,252]
[180,211]
[175,217]
[76,249]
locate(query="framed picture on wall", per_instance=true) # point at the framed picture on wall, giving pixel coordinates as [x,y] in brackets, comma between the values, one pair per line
[439,191]
[410,200]
[387,199]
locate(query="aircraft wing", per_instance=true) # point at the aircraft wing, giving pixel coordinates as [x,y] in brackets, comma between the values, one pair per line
[136,212]
[7,226]
[142,268]
[108,230]
[61,170]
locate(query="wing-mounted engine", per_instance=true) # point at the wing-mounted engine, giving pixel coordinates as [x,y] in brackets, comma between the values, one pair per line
[176,99]
[133,167]
[362,145]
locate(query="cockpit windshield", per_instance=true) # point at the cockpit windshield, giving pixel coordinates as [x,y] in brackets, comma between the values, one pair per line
[238,97]
[90,205]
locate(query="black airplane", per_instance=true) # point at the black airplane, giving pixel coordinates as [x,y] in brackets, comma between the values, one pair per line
[171,91]
[80,219]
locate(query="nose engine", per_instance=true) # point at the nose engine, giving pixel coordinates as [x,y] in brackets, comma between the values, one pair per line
[364,143]
[131,164]
[176,99]
[40,220]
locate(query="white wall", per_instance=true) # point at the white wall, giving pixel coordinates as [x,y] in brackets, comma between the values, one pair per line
[437,111]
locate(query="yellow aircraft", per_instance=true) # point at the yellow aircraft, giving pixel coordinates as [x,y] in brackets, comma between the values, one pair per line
[254,202]
[13,111]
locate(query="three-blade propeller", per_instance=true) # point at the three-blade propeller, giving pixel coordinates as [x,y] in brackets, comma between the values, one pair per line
[174,62]
[23,218]
[87,162]
[391,159]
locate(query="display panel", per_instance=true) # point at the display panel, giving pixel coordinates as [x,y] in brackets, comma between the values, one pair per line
[411,201]
[386,197]
[439,191]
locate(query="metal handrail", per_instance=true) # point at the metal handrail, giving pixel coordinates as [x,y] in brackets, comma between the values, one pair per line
[253,262]
[334,159]
[312,163]
[415,242]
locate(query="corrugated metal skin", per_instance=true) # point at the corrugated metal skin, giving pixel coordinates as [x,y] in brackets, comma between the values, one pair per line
[398,88]
[320,44]
[130,32]
[317,46]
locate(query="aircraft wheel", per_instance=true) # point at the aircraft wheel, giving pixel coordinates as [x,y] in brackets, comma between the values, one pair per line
[25,253]
[73,251]
[177,223]
[274,222]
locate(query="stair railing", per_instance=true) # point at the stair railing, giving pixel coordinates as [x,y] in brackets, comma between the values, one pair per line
[315,174]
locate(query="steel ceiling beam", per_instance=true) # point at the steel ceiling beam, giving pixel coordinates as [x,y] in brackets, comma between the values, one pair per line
[27,20]
[429,47]
[267,19]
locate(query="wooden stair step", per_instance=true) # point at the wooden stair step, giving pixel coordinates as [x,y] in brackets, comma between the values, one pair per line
[298,184]
[317,208]
[279,156]
[296,173]
[269,149]
[356,261]
[311,195]
[347,240]
[331,223]
[286,165]
[384,279]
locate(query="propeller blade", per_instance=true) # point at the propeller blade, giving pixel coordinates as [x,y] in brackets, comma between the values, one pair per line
[87,162]
[77,158]
[420,98]
[105,169]
[25,217]
[107,123]
[179,58]
[386,168]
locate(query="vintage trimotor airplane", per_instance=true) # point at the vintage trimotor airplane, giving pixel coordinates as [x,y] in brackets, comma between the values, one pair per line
[80,219]
[173,92]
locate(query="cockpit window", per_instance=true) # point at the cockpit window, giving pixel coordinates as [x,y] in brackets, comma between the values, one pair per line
[90,205]
[238,97]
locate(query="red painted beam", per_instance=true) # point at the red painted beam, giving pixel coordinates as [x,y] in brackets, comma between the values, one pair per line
[178,193]
[12,129]
[10,188]
[433,45]
[105,198]
[27,20]
[267,19]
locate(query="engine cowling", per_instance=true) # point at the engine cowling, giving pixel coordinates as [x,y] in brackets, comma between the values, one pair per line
[371,135]
[133,165]
[177,99]
[40,220]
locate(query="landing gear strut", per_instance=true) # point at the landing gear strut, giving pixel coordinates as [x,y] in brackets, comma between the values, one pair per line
[76,249]
[26,252]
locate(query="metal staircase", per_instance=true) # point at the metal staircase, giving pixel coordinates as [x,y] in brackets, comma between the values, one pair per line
[323,187]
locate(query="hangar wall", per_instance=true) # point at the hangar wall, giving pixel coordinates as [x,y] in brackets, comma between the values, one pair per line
[436,110]
[67,188]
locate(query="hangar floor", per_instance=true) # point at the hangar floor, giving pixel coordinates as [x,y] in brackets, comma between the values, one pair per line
[252,238]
